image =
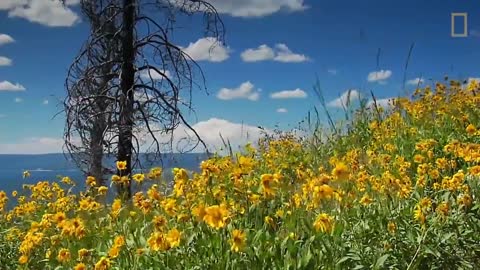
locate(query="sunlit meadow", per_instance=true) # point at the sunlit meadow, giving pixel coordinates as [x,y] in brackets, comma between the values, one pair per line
[393,189]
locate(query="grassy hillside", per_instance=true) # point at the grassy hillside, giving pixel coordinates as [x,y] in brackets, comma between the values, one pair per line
[395,189]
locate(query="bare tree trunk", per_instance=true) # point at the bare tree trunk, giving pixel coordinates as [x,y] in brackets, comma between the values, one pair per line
[96,148]
[127,80]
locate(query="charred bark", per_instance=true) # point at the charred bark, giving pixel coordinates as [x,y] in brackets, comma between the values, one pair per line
[127,81]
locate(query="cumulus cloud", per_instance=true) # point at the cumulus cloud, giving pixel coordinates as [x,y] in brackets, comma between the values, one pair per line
[256,8]
[207,49]
[379,76]
[154,74]
[297,93]
[5,39]
[9,4]
[45,12]
[346,98]
[245,91]
[8,86]
[284,54]
[236,133]
[471,79]
[281,53]
[385,103]
[282,110]
[43,145]
[5,61]
[211,131]
[263,52]
[416,81]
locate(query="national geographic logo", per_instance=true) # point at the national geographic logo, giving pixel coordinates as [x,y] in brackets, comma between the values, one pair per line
[459,20]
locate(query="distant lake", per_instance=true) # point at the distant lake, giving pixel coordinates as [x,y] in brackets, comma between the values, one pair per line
[49,166]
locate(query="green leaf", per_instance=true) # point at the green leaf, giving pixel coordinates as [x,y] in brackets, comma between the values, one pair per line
[306,259]
[344,259]
[430,251]
[447,236]
[381,261]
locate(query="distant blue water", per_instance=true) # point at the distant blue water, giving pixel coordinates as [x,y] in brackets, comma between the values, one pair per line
[50,167]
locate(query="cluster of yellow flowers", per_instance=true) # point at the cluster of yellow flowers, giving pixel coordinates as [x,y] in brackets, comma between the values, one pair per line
[410,161]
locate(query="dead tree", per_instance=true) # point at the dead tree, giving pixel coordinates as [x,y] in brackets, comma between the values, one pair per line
[128,78]
[89,105]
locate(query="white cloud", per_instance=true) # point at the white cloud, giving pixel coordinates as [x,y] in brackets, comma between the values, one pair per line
[256,8]
[470,80]
[9,4]
[5,61]
[385,103]
[211,132]
[45,102]
[8,86]
[281,53]
[347,97]
[473,79]
[43,145]
[45,12]
[263,52]
[18,100]
[4,38]
[297,93]
[244,91]
[154,74]
[237,134]
[207,49]
[379,76]
[282,110]
[332,71]
[284,54]
[416,81]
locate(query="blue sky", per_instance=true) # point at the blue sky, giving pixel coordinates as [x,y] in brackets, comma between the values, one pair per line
[262,76]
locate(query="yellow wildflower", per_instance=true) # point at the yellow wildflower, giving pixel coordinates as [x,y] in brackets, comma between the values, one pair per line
[63,255]
[173,237]
[340,171]
[80,266]
[442,209]
[391,227]
[121,165]
[91,181]
[216,216]
[157,242]
[114,251]
[116,178]
[83,254]
[102,190]
[366,200]
[23,259]
[323,223]
[471,129]
[237,241]
[139,177]
[103,264]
